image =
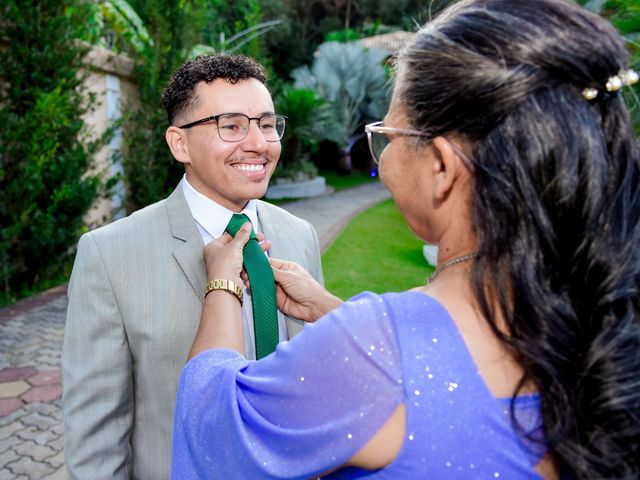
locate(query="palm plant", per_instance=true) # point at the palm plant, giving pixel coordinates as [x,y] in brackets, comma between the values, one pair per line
[309,121]
[236,41]
[354,82]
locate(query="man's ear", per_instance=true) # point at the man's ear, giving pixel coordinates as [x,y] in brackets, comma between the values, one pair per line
[176,139]
[447,167]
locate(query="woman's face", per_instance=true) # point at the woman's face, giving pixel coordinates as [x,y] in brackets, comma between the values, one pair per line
[429,178]
[405,168]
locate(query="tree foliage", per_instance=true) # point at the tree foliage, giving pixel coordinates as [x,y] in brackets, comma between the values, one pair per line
[46,150]
[305,24]
[150,170]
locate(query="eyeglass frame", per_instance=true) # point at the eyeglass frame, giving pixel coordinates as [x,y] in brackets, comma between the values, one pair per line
[215,118]
[378,127]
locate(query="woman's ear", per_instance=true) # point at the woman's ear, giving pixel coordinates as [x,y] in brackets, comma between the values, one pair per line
[177,142]
[447,167]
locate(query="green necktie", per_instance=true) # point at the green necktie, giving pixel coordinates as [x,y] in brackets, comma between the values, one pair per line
[263,290]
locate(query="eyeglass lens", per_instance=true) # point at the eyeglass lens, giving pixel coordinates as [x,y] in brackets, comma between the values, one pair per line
[235,126]
[377,143]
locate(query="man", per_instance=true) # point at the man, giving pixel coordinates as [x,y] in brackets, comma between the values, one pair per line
[138,284]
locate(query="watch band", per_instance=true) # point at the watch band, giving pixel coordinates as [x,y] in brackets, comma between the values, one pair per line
[224,284]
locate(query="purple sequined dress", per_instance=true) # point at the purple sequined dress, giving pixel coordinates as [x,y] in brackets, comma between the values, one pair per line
[320,397]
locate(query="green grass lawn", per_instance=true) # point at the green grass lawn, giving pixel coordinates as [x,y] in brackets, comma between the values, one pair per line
[376,252]
[340,182]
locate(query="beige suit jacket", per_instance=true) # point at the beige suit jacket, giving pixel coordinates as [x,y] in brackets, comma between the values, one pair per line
[135,297]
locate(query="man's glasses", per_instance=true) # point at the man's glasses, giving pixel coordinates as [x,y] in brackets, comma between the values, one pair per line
[234,127]
[379,137]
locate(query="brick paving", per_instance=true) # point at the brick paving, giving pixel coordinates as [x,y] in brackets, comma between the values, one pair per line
[31,333]
[30,390]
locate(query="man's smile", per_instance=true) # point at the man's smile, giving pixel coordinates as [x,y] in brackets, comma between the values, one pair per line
[250,167]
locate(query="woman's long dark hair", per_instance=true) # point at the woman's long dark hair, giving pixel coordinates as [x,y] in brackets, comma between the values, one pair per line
[555,203]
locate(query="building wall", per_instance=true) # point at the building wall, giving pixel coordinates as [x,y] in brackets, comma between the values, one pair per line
[111,79]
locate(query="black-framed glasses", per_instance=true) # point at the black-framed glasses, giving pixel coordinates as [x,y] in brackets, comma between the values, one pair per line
[379,137]
[234,127]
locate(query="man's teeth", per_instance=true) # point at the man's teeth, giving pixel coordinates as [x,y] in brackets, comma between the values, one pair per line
[249,168]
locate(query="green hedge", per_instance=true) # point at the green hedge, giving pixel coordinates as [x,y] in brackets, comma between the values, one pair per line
[45,147]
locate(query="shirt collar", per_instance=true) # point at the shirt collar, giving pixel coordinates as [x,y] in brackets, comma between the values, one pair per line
[212,216]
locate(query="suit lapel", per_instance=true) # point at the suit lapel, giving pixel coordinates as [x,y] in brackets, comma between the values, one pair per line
[188,246]
[273,230]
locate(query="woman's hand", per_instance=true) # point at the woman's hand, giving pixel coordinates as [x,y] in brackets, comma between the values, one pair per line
[223,256]
[298,294]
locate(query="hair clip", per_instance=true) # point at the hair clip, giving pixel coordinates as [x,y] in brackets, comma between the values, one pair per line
[614,84]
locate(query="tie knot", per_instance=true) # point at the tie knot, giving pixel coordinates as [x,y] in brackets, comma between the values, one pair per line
[236,222]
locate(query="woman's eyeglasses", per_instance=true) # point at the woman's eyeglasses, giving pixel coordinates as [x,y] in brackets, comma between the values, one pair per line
[380,136]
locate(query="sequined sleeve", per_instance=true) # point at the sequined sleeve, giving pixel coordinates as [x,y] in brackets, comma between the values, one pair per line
[307,408]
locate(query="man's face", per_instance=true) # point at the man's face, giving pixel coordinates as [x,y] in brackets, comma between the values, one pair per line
[230,173]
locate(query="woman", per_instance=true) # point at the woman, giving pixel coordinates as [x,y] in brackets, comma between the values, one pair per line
[508,144]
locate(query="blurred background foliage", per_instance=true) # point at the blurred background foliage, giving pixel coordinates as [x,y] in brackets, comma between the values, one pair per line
[625,15]
[329,90]
[47,178]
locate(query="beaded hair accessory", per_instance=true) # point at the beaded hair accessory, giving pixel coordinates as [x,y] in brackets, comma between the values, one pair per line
[613,85]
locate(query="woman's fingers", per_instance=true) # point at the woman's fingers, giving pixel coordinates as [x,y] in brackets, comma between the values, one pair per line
[223,239]
[244,276]
[266,245]
[223,256]
[283,264]
[243,235]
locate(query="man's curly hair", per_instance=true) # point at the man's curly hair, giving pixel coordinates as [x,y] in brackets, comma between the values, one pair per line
[180,93]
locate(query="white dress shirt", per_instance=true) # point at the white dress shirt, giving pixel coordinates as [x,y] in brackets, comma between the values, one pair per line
[212,220]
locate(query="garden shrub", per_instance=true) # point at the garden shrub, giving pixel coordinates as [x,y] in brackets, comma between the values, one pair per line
[46,151]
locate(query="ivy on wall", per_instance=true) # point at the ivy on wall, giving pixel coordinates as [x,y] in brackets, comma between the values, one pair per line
[46,150]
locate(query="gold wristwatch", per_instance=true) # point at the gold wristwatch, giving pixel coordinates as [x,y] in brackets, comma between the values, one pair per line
[224,284]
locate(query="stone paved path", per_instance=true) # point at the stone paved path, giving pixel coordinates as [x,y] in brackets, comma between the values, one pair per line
[31,332]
